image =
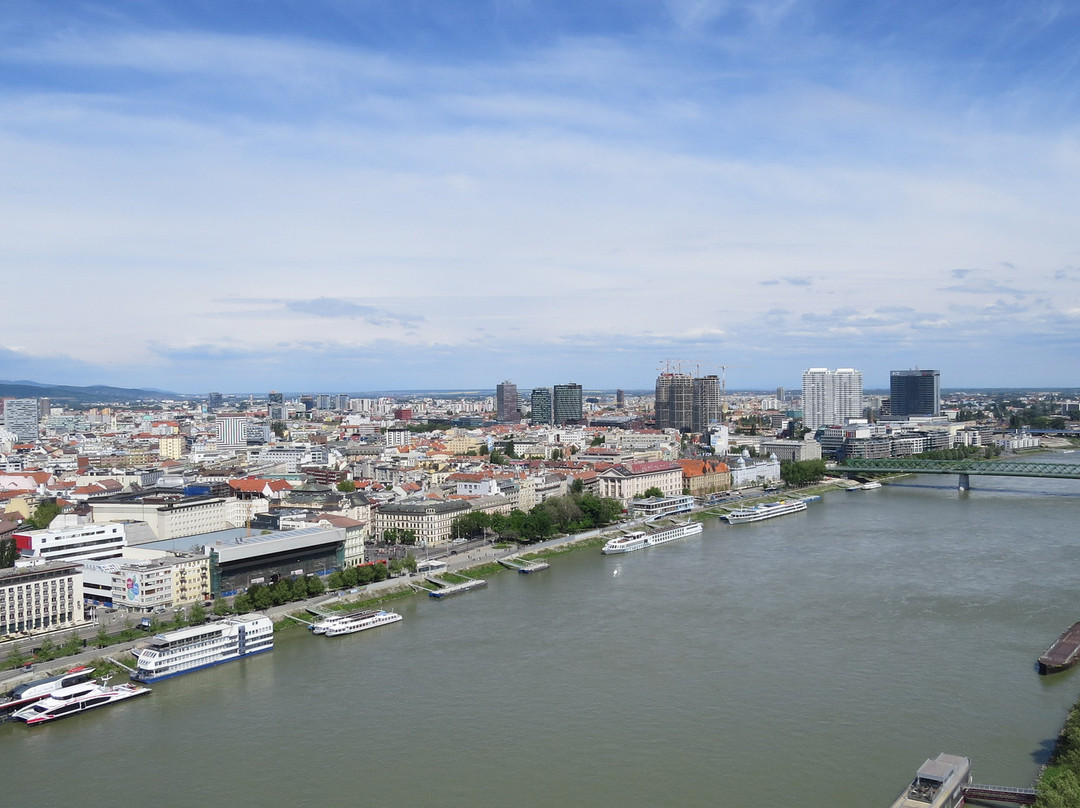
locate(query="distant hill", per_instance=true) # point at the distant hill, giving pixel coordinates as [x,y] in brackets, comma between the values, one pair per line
[95,394]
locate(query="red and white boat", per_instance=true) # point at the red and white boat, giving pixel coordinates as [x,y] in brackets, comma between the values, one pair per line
[76,699]
[29,692]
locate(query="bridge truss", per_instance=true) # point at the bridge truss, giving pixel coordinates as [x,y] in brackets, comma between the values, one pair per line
[992,468]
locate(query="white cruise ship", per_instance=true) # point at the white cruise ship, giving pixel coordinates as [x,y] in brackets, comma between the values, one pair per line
[338,624]
[189,649]
[767,510]
[68,701]
[651,537]
[626,543]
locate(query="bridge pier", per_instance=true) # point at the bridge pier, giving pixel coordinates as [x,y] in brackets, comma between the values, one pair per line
[965,483]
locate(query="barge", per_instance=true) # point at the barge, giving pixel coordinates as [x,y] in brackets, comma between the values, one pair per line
[1063,654]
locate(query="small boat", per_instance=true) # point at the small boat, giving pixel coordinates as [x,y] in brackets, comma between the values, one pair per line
[338,624]
[939,783]
[29,692]
[1063,654]
[870,486]
[77,699]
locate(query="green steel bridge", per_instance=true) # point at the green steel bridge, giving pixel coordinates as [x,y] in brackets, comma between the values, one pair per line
[964,468]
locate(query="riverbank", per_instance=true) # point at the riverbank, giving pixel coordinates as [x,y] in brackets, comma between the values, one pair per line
[1058,785]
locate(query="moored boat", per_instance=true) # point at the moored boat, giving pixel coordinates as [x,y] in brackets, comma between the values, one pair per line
[939,783]
[626,543]
[69,701]
[190,649]
[661,535]
[338,624]
[1063,654]
[29,692]
[767,510]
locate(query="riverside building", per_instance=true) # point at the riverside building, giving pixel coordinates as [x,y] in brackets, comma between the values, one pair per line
[914,392]
[40,597]
[831,396]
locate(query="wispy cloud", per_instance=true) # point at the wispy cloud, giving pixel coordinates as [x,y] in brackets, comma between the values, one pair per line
[486,182]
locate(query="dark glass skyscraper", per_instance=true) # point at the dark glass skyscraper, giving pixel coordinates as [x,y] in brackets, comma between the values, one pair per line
[540,406]
[506,403]
[914,392]
[566,404]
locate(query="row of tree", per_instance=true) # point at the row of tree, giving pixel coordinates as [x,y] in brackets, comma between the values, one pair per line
[802,472]
[961,453]
[284,590]
[568,514]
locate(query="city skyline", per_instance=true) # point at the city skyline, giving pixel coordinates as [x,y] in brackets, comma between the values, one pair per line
[395,196]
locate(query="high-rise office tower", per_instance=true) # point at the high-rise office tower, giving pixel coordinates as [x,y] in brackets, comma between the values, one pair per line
[674,401]
[21,417]
[831,396]
[506,403]
[914,392]
[705,403]
[566,404]
[540,403]
[620,400]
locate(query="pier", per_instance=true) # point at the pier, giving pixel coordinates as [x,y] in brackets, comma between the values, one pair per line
[1016,796]
[523,566]
[447,588]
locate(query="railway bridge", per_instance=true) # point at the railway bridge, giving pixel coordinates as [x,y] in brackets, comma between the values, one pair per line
[965,469]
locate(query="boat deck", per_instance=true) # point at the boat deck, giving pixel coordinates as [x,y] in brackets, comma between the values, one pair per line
[1064,653]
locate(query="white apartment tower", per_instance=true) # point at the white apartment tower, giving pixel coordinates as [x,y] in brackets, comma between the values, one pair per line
[831,396]
[21,417]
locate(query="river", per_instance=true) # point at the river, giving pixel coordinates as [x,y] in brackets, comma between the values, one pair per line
[814,660]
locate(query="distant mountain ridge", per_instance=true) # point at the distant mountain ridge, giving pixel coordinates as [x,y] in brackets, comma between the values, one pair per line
[94,394]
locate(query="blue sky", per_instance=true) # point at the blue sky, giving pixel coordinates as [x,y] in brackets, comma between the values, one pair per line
[350,195]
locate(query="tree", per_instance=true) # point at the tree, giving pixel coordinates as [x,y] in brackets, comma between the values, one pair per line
[44,513]
[278,428]
[556,454]
[243,603]
[196,614]
[101,639]
[577,486]
[653,492]
[334,580]
[597,441]
[221,606]
[346,486]
[410,562]
[16,657]
[8,552]
[802,472]
[315,585]
[72,645]
[364,574]
[47,649]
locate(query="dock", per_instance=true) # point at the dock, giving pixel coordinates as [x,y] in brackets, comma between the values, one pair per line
[447,588]
[524,566]
[1016,796]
